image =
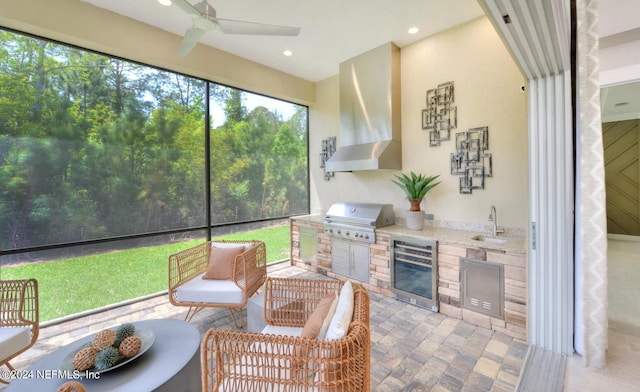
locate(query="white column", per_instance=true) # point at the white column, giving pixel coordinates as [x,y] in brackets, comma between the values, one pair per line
[537,33]
[592,222]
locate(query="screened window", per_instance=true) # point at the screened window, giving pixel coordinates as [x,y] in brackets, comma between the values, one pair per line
[95,147]
[258,157]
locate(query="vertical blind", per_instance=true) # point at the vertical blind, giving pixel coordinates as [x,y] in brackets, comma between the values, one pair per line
[537,33]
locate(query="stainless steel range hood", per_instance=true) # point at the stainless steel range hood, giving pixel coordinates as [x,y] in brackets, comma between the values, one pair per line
[369,112]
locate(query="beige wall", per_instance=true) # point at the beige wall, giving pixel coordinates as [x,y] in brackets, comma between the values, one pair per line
[82,24]
[487,93]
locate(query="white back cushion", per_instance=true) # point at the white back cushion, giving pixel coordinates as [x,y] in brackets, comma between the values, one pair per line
[231,245]
[327,320]
[341,319]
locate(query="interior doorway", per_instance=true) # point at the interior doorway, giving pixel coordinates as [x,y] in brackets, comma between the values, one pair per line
[620,107]
[622,171]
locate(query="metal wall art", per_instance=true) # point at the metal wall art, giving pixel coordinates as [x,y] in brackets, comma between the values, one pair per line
[328,148]
[440,115]
[471,160]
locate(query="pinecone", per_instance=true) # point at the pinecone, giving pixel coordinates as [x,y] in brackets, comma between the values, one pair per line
[104,339]
[130,346]
[107,358]
[85,358]
[72,386]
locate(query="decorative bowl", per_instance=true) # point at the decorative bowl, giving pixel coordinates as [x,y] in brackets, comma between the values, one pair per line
[147,337]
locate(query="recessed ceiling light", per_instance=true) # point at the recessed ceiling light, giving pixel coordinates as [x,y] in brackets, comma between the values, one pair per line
[288,53]
[166,3]
[413,30]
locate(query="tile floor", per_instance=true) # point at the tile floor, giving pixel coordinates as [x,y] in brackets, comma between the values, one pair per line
[622,372]
[413,349]
[417,350]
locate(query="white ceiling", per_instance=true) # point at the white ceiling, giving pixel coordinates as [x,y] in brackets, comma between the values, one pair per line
[619,23]
[331,30]
[618,16]
[335,30]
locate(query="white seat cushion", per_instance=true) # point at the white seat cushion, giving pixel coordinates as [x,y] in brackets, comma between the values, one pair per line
[209,291]
[281,331]
[13,339]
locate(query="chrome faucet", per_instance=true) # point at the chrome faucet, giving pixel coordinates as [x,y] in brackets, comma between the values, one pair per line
[493,217]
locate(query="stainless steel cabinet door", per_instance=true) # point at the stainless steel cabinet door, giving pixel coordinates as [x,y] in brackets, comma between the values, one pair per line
[360,262]
[350,259]
[308,244]
[340,257]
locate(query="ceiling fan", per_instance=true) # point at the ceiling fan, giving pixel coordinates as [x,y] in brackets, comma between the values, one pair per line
[205,19]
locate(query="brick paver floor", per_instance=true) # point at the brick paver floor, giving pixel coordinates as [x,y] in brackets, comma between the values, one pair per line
[412,349]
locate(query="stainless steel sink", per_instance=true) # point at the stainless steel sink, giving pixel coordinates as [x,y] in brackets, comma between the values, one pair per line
[494,240]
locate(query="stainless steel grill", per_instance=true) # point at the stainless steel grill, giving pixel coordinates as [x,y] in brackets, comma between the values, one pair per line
[357,221]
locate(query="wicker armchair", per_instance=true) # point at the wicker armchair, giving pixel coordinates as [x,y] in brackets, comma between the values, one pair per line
[244,361]
[19,318]
[186,268]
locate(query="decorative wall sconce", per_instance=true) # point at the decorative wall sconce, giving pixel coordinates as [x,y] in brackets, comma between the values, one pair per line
[328,148]
[440,115]
[471,160]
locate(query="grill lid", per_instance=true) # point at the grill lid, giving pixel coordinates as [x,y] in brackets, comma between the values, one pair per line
[365,214]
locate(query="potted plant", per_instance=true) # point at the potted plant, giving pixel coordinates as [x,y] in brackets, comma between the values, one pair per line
[415,186]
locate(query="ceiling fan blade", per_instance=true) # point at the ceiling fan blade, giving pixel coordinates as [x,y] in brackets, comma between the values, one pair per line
[187,7]
[191,39]
[229,26]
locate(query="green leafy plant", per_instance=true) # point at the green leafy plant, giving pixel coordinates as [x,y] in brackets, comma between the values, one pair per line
[415,186]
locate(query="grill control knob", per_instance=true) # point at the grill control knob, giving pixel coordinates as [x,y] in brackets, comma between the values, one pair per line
[347,233]
[339,232]
[366,236]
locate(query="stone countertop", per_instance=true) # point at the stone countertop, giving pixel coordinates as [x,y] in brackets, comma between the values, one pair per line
[315,218]
[516,243]
[516,240]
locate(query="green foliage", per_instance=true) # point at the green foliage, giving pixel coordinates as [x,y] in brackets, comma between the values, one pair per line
[415,186]
[122,332]
[93,147]
[107,358]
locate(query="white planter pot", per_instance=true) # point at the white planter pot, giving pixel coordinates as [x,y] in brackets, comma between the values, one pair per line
[415,220]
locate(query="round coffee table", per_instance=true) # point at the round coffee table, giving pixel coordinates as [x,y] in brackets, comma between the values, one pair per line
[172,363]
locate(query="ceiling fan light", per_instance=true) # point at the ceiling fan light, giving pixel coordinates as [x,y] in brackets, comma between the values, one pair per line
[166,3]
[413,30]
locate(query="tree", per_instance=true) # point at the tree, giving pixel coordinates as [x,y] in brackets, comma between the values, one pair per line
[93,147]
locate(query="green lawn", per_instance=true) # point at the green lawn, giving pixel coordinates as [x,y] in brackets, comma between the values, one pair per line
[73,285]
